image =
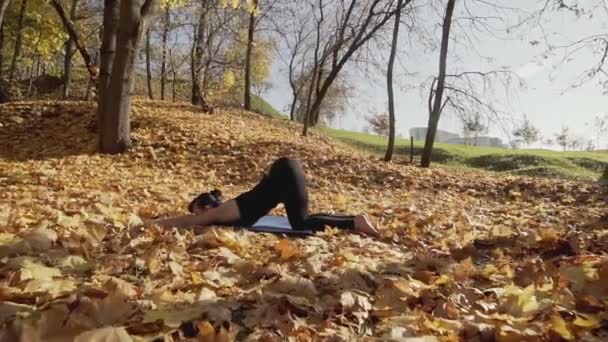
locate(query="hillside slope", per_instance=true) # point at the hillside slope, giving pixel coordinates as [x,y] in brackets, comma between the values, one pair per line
[464,254]
[542,163]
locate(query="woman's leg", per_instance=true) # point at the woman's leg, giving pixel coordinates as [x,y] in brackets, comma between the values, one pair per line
[290,183]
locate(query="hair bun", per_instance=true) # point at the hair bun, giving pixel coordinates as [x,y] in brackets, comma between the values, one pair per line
[216,193]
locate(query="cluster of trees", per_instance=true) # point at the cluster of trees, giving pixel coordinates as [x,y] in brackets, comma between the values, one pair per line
[226,48]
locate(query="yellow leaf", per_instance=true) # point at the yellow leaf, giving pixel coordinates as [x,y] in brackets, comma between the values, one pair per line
[197,278]
[559,326]
[154,265]
[34,270]
[286,249]
[54,287]
[107,334]
[589,322]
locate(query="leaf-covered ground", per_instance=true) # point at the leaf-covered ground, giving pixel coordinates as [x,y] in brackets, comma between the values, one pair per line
[464,255]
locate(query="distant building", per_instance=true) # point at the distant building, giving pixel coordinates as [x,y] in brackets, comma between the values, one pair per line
[419,133]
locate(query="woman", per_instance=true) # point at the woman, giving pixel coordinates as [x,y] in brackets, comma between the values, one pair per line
[284,183]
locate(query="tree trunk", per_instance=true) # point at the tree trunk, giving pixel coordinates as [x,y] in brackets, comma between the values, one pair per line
[439,88]
[250,38]
[3,6]
[67,61]
[197,62]
[163,61]
[114,134]
[1,51]
[148,66]
[107,52]
[17,51]
[389,85]
[68,25]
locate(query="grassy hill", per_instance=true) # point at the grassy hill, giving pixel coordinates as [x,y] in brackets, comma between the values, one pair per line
[544,163]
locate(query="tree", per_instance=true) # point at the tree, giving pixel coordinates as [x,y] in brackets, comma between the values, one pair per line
[472,126]
[197,56]
[527,132]
[67,62]
[70,28]
[465,93]
[149,65]
[124,24]
[163,62]
[600,125]
[389,85]
[294,29]
[439,82]
[18,41]
[3,5]
[563,138]
[250,37]
[379,124]
[356,22]
[335,103]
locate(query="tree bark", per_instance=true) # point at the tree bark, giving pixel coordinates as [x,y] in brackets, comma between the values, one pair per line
[250,37]
[438,104]
[67,61]
[163,61]
[148,66]
[3,6]
[197,61]
[107,53]
[69,27]
[389,85]
[18,41]
[114,134]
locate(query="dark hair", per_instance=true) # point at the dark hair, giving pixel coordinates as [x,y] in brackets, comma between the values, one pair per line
[213,199]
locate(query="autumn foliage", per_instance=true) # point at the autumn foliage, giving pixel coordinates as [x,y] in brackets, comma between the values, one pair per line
[464,255]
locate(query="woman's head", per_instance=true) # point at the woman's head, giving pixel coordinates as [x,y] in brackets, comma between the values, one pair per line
[205,201]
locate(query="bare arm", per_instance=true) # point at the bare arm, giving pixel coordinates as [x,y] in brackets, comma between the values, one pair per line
[227,212]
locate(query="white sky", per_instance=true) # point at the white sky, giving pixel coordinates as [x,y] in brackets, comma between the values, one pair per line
[542,100]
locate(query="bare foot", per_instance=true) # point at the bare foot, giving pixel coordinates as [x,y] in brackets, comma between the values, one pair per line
[363,225]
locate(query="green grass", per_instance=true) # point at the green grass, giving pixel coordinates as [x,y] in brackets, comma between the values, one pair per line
[542,163]
[260,106]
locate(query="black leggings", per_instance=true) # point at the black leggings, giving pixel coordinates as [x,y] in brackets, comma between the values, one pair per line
[285,183]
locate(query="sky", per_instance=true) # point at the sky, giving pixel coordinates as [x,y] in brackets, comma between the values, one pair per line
[546,98]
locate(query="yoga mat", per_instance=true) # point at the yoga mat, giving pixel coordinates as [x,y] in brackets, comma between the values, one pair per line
[276,224]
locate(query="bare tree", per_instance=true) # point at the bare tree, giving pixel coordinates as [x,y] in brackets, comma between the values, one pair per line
[197,65]
[600,126]
[163,61]
[67,61]
[120,44]
[438,86]
[389,85]
[250,37]
[70,28]
[379,124]
[353,24]
[149,65]
[563,138]
[527,132]
[3,6]
[465,93]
